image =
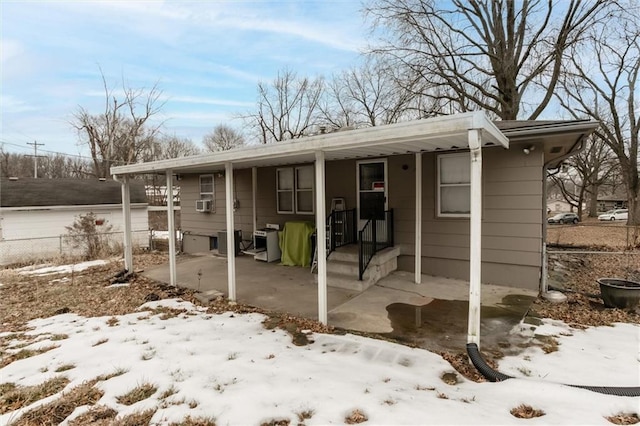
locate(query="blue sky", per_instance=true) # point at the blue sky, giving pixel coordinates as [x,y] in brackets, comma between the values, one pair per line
[206,56]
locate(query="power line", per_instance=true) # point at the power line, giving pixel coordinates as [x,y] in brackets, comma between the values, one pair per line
[82,157]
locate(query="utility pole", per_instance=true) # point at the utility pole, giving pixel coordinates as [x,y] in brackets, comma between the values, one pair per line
[35,157]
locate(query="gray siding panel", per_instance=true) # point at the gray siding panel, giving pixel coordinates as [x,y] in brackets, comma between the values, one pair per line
[511,227]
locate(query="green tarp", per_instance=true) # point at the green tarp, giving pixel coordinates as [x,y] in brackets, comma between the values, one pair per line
[295,243]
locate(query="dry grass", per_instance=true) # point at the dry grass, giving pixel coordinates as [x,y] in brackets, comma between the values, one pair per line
[137,394]
[624,419]
[196,421]
[355,417]
[578,275]
[116,373]
[276,422]
[593,234]
[135,419]
[23,298]
[24,353]
[64,367]
[57,411]
[305,415]
[524,411]
[99,415]
[13,397]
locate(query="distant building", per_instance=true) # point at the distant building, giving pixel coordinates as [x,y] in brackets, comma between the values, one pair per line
[617,200]
[34,214]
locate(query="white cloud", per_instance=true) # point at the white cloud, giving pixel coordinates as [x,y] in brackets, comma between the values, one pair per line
[11,105]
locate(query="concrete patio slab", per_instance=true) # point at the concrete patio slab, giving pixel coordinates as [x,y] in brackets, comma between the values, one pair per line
[432,314]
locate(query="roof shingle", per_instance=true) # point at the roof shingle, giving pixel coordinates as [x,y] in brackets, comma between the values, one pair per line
[30,192]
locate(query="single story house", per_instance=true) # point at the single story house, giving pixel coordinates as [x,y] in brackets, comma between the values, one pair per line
[608,202]
[559,205]
[34,214]
[457,196]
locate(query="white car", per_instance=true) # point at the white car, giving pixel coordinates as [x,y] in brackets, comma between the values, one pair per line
[618,214]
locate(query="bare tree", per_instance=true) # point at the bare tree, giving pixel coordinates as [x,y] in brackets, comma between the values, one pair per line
[222,138]
[484,53]
[123,130]
[589,171]
[287,108]
[604,86]
[369,95]
[52,166]
[172,146]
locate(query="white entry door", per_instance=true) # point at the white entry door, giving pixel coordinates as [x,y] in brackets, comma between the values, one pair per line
[372,194]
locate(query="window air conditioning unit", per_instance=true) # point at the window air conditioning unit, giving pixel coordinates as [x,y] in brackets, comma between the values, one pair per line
[203,206]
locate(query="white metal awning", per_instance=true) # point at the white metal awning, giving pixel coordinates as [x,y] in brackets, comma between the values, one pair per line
[444,133]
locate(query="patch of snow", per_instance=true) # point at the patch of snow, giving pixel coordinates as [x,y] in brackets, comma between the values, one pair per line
[116,285]
[61,269]
[240,373]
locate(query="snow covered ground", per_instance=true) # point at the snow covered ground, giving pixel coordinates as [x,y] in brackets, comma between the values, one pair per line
[230,367]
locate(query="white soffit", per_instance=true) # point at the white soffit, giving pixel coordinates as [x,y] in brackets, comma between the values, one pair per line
[433,134]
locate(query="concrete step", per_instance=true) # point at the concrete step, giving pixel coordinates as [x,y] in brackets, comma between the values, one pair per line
[347,282]
[343,255]
[343,267]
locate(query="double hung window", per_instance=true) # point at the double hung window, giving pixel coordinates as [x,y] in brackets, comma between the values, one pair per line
[295,190]
[454,185]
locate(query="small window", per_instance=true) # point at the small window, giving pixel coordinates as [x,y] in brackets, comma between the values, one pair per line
[295,190]
[207,188]
[304,190]
[454,185]
[284,189]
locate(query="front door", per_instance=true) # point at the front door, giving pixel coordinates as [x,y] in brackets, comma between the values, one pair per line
[372,194]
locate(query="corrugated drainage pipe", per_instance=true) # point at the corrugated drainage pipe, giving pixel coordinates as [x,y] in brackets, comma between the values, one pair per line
[496,376]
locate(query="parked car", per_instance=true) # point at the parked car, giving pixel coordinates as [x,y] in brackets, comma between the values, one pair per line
[564,218]
[618,214]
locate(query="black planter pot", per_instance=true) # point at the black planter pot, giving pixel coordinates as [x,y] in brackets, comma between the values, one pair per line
[617,293]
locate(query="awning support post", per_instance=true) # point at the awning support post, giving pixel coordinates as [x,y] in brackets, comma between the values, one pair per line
[475,237]
[321,237]
[418,240]
[126,215]
[231,247]
[254,207]
[171,226]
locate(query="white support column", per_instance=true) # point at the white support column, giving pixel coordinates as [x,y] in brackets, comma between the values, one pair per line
[475,237]
[126,215]
[171,226]
[321,237]
[231,251]
[254,191]
[418,248]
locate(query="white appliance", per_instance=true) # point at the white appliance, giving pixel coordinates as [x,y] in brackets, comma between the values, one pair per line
[266,246]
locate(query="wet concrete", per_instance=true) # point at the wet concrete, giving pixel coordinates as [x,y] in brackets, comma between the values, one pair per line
[441,325]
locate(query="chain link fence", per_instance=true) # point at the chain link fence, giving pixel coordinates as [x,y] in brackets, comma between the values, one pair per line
[596,236]
[28,250]
[597,249]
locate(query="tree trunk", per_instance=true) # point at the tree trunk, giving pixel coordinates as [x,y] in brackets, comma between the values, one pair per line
[593,200]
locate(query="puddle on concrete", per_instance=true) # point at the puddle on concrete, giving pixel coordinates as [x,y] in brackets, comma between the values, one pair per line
[442,324]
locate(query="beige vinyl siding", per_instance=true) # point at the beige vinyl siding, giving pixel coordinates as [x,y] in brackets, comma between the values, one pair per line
[209,224]
[511,226]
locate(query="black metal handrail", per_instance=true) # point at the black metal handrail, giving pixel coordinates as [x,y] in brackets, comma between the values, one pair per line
[342,229]
[372,241]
